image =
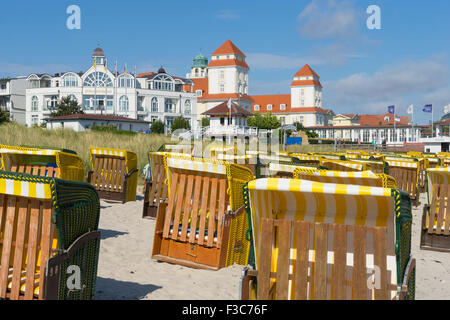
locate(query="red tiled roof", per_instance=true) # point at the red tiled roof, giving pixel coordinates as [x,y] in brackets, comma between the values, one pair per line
[222,109]
[276,100]
[306,71]
[227,62]
[375,119]
[228,47]
[296,83]
[95,117]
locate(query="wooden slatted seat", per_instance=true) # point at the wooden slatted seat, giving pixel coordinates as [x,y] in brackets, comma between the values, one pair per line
[435,233]
[406,175]
[43,162]
[34,235]
[203,224]
[155,190]
[316,240]
[114,174]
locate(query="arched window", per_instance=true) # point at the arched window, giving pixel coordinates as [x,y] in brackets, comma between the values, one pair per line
[34,103]
[98,79]
[52,102]
[126,81]
[169,106]
[187,107]
[163,82]
[123,103]
[70,80]
[154,104]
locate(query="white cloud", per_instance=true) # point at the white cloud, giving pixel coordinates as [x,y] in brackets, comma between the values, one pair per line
[227,15]
[413,82]
[322,19]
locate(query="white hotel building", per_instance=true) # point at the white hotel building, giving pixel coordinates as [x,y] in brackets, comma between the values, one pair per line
[147,96]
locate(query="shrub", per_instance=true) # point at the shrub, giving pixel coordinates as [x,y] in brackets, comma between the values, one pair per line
[180,123]
[157,127]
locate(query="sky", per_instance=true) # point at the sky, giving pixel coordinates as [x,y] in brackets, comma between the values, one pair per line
[362,71]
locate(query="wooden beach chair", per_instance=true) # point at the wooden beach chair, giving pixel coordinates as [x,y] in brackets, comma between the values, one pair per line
[114,174]
[264,161]
[62,164]
[155,190]
[376,166]
[328,241]
[406,174]
[203,223]
[435,233]
[48,231]
[363,178]
[344,165]
[306,159]
[248,161]
[280,170]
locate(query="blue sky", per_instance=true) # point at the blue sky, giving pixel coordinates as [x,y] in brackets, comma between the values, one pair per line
[362,71]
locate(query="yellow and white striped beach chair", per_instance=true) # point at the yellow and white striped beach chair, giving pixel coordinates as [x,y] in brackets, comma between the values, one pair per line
[178,148]
[343,165]
[203,223]
[406,173]
[62,164]
[363,178]
[435,233]
[316,240]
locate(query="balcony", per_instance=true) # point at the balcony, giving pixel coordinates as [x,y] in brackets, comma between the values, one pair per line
[231,130]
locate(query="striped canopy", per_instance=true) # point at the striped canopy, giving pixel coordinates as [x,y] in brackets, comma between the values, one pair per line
[363,178]
[30,189]
[281,167]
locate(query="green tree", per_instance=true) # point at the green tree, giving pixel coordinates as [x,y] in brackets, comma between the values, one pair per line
[309,134]
[180,123]
[67,106]
[157,127]
[205,122]
[4,116]
[266,121]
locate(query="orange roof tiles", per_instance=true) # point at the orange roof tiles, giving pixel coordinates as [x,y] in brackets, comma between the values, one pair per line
[306,71]
[296,83]
[222,109]
[227,62]
[228,47]
[276,100]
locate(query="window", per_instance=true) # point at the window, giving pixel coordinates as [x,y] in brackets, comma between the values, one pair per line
[34,120]
[302,92]
[187,107]
[301,119]
[3,86]
[52,102]
[222,74]
[282,106]
[168,106]
[198,93]
[222,87]
[154,104]
[34,103]
[283,120]
[302,102]
[256,107]
[163,82]
[126,81]
[269,107]
[123,103]
[98,79]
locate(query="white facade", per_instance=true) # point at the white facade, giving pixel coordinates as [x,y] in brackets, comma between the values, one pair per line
[83,124]
[227,79]
[306,95]
[12,98]
[99,91]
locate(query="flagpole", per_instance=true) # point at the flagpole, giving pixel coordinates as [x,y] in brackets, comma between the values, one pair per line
[432,125]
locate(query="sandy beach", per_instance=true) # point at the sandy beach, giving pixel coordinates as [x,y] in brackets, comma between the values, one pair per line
[126,270]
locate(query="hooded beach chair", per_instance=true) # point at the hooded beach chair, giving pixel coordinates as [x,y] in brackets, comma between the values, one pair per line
[363,178]
[248,161]
[406,173]
[114,173]
[313,240]
[435,233]
[280,170]
[62,164]
[344,165]
[306,159]
[264,161]
[203,223]
[376,166]
[48,232]
[155,189]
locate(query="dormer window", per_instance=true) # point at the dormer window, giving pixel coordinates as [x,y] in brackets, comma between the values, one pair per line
[198,93]
[269,107]
[256,107]
[282,106]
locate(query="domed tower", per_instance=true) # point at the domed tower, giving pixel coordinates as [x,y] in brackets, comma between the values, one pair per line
[98,57]
[198,69]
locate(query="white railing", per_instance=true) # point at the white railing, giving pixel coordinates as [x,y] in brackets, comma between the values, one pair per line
[231,130]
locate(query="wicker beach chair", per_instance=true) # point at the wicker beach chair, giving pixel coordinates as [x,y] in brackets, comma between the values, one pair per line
[328,241]
[363,178]
[114,174]
[435,233]
[48,231]
[203,223]
[306,159]
[248,161]
[62,164]
[344,165]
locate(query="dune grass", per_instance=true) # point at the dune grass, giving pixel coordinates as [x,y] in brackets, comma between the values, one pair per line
[141,144]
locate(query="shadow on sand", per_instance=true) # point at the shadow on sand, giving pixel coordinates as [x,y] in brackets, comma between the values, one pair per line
[111,289]
[105,234]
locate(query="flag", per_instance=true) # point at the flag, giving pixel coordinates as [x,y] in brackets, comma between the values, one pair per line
[94,63]
[410,109]
[115,69]
[428,108]
[125,72]
[391,109]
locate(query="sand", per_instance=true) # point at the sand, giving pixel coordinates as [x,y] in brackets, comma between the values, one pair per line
[126,270]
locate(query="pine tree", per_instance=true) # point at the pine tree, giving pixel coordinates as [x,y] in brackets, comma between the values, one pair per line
[67,107]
